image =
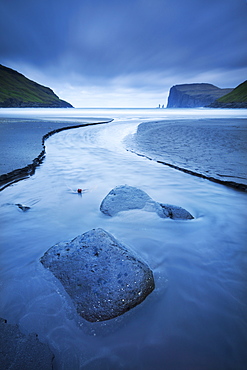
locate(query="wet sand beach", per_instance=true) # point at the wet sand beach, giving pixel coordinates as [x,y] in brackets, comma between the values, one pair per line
[22,144]
[21,140]
[211,148]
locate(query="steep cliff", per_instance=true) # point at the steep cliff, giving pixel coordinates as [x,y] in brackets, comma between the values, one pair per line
[18,91]
[194,95]
[235,99]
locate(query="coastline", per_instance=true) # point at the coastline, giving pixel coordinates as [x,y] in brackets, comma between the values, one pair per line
[231,184]
[28,169]
[25,128]
[212,149]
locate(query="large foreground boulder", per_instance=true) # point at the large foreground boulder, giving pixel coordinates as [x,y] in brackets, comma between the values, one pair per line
[103,278]
[125,197]
[20,351]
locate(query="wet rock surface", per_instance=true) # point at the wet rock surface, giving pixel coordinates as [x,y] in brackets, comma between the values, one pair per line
[125,197]
[22,207]
[103,278]
[176,213]
[20,351]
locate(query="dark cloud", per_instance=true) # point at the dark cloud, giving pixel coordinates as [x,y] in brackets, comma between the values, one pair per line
[100,40]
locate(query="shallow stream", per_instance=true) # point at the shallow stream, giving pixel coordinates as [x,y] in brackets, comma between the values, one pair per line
[196,318]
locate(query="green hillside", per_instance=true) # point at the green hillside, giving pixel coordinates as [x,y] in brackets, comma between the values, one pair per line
[235,99]
[18,91]
[239,94]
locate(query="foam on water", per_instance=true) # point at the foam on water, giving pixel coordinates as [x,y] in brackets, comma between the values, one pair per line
[195,318]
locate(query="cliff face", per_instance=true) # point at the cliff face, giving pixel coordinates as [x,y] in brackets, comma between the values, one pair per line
[235,99]
[18,91]
[194,95]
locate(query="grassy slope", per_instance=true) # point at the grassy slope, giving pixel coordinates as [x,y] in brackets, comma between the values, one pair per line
[239,94]
[16,86]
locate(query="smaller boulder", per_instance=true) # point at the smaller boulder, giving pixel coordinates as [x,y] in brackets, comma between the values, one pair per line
[103,278]
[176,213]
[125,198]
[22,207]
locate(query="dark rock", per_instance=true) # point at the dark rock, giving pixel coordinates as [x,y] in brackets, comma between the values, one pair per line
[176,213]
[194,95]
[22,207]
[20,351]
[124,198]
[232,105]
[103,278]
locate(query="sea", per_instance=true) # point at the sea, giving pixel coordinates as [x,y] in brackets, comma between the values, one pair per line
[196,318]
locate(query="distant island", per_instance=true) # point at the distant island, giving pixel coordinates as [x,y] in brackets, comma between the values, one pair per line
[18,91]
[194,95]
[197,95]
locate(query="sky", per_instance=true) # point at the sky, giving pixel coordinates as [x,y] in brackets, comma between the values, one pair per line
[124,53]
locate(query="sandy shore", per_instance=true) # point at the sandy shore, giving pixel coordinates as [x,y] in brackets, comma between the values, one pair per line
[21,142]
[215,149]
[212,148]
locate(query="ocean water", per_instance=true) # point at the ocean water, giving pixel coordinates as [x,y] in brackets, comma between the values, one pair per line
[196,318]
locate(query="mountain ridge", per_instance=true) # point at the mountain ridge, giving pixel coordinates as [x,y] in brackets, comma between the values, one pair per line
[16,90]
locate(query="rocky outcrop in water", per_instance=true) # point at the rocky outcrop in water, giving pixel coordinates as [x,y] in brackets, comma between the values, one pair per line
[19,351]
[194,95]
[22,207]
[125,197]
[103,277]
[175,212]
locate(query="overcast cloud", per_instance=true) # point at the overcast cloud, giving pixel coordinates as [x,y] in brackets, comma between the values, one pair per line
[97,53]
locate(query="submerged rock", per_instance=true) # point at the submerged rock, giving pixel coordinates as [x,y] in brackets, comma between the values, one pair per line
[20,351]
[125,197]
[22,207]
[103,278]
